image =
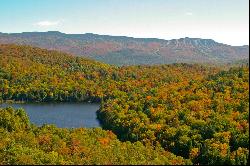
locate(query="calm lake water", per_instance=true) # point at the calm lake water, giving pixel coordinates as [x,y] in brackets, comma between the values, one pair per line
[64,115]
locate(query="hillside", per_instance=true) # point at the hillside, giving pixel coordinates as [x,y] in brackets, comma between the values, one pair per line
[163,113]
[33,73]
[25,144]
[121,50]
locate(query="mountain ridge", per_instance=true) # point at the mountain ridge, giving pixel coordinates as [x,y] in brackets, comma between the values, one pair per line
[123,50]
[115,36]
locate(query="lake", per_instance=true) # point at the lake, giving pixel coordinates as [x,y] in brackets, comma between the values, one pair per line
[64,115]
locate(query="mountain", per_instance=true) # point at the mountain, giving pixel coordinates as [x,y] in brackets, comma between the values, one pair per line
[121,50]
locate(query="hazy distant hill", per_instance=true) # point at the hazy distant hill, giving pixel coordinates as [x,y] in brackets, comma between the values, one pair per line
[123,50]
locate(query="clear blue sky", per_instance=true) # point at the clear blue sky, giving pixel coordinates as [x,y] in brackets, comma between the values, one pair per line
[225,21]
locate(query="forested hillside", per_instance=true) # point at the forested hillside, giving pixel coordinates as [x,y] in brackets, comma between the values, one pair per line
[33,74]
[195,112]
[122,50]
[23,143]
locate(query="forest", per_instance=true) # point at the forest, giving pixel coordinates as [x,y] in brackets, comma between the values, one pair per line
[161,114]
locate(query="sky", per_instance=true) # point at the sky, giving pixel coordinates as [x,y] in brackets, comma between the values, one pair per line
[225,21]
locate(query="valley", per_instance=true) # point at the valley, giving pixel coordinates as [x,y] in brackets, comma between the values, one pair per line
[124,82]
[160,114]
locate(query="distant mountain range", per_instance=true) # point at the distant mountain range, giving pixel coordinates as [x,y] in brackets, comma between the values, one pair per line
[121,50]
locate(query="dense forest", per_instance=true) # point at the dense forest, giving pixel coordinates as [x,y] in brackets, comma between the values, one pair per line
[24,143]
[161,114]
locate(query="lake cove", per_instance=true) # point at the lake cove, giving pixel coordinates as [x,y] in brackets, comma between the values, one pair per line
[63,115]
